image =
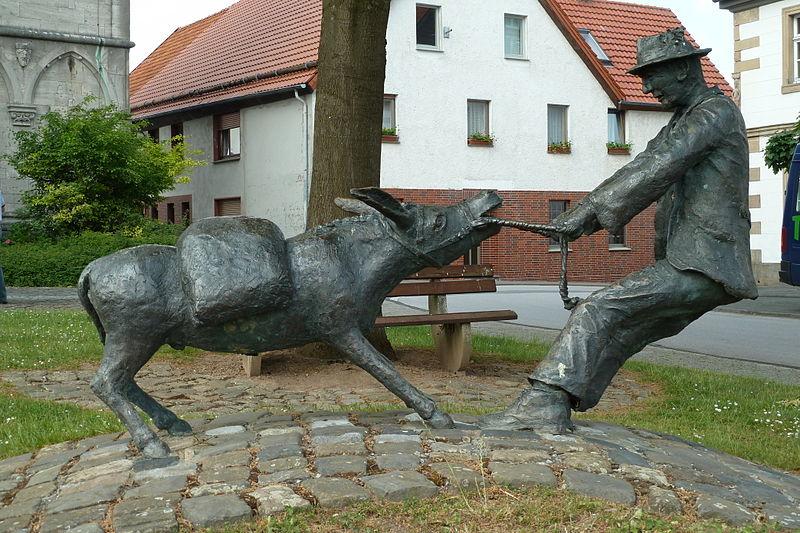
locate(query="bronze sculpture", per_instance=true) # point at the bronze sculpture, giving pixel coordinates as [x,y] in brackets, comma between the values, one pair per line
[697,170]
[329,284]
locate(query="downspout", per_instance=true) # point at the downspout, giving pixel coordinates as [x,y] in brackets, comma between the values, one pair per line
[101,69]
[307,171]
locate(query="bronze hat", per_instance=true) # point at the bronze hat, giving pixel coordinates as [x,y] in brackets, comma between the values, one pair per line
[671,44]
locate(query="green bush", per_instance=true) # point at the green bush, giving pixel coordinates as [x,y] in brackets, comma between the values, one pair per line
[42,262]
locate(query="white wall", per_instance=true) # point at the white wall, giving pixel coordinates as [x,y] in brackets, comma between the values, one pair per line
[433,87]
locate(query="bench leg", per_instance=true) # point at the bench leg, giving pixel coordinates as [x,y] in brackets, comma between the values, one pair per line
[455,346]
[437,303]
[252,365]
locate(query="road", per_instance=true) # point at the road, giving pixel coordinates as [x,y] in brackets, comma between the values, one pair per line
[771,340]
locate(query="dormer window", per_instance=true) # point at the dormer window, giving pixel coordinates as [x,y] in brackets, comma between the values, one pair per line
[595,46]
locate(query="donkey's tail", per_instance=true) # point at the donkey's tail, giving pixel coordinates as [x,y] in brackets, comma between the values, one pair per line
[83,294]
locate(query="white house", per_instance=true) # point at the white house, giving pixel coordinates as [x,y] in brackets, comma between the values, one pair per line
[767,81]
[544,84]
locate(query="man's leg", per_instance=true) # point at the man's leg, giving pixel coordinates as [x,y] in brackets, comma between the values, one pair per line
[602,332]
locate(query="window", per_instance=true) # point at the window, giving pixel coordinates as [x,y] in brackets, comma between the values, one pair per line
[616,126]
[557,124]
[791,49]
[224,207]
[473,256]
[171,213]
[556,208]
[514,36]
[152,133]
[389,126]
[428,24]
[154,212]
[595,46]
[477,117]
[227,136]
[616,241]
[186,213]
[175,130]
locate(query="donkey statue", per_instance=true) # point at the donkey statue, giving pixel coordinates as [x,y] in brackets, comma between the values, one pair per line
[331,283]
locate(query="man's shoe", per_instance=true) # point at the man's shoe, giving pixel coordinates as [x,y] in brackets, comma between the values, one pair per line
[543,408]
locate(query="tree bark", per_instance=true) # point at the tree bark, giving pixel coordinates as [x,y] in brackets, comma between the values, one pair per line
[349,111]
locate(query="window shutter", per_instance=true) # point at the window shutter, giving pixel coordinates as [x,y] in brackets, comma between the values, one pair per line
[228,121]
[228,207]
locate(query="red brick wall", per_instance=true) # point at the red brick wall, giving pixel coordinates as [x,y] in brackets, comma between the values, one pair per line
[518,255]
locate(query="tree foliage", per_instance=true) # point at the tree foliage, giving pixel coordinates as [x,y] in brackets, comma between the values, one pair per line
[93,169]
[780,149]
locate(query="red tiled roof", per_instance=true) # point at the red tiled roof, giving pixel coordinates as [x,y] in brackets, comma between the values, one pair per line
[617,26]
[250,47]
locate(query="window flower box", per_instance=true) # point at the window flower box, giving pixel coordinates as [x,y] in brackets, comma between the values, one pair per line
[479,139]
[618,148]
[389,135]
[560,148]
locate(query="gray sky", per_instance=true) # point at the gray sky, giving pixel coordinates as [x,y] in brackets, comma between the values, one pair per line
[152,21]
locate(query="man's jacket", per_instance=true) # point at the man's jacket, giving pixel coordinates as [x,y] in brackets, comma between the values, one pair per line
[697,170]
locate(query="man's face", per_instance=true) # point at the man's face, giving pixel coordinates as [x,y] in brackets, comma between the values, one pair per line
[663,81]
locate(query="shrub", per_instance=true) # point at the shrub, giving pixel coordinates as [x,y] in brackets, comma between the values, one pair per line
[47,263]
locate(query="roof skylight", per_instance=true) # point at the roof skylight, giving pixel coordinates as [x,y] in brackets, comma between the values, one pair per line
[595,46]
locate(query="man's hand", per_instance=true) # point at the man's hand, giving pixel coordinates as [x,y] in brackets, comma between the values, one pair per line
[576,221]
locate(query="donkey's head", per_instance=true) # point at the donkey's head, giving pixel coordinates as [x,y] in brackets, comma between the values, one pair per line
[436,235]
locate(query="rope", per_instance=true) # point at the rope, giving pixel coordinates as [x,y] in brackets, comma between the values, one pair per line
[547,231]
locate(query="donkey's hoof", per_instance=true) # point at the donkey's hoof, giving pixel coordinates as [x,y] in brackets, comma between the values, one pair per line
[179,428]
[155,448]
[440,420]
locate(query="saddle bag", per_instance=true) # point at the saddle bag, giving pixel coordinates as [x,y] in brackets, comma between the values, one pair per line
[232,267]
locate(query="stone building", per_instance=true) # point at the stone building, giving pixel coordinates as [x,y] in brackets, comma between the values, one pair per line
[54,53]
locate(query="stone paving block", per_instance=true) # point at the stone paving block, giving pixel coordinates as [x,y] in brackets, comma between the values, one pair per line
[757,494]
[183,468]
[15,525]
[210,511]
[140,464]
[145,515]
[225,430]
[275,498]
[396,447]
[329,422]
[622,456]
[397,461]
[91,527]
[219,488]
[337,435]
[281,430]
[459,476]
[284,463]
[643,474]
[12,464]
[499,444]
[278,452]
[506,434]
[663,501]
[237,419]
[283,476]
[520,456]
[398,486]
[341,464]
[788,517]
[709,490]
[343,448]
[453,436]
[224,460]
[456,452]
[599,486]
[689,474]
[522,475]
[42,476]
[243,440]
[114,468]
[80,497]
[397,437]
[59,522]
[725,510]
[335,492]
[233,474]
[587,461]
[282,439]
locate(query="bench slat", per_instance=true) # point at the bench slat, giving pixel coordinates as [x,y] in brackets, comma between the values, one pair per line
[456,286]
[455,271]
[445,318]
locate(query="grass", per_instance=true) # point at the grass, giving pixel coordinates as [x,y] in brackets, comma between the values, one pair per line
[503,510]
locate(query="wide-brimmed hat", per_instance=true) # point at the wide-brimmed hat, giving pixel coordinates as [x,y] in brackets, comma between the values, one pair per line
[671,44]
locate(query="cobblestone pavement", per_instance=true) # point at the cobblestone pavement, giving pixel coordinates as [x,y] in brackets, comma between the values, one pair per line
[243,465]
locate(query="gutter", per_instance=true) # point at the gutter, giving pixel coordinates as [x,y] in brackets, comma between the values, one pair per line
[75,38]
[640,106]
[307,182]
[233,83]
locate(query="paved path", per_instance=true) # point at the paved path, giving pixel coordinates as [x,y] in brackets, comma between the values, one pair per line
[242,464]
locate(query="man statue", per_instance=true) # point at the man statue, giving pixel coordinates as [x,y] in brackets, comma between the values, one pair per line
[697,170]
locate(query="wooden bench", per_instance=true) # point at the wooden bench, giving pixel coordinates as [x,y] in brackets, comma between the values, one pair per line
[452,332]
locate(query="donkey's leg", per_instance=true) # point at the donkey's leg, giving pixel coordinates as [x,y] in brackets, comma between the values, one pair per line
[162,417]
[112,382]
[362,353]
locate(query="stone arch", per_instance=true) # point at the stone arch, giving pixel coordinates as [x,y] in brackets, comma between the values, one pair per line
[8,92]
[66,79]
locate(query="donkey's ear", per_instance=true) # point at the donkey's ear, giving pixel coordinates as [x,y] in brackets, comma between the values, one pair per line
[385,203]
[354,206]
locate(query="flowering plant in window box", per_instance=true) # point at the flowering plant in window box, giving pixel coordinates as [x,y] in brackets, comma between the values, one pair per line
[389,135]
[564,147]
[618,148]
[480,139]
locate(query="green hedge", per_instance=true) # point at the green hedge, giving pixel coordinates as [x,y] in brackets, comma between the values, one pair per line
[59,263]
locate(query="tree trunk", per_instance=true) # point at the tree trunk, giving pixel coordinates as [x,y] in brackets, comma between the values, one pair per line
[349,111]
